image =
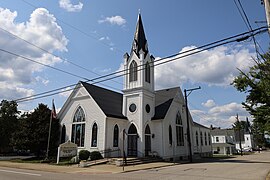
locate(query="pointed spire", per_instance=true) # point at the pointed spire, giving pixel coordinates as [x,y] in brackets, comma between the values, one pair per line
[139,42]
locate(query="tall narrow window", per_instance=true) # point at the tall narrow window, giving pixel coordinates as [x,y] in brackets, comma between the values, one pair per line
[205,139]
[78,128]
[63,134]
[197,138]
[201,134]
[147,72]
[115,136]
[170,135]
[209,139]
[179,130]
[133,71]
[94,135]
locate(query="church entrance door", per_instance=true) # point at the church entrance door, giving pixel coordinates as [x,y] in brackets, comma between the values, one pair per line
[132,141]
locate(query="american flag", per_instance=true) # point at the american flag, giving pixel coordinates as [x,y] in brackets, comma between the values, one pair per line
[53,110]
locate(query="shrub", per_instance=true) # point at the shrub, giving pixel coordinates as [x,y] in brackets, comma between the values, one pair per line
[95,155]
[84,154]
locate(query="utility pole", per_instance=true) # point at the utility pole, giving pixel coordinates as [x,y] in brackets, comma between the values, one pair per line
[239,131]
[267,12]
[124,155]
[187,114]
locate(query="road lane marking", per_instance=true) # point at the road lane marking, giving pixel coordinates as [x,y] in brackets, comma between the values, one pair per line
[16,172]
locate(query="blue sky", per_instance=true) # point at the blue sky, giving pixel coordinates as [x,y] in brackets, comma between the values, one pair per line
[95,35]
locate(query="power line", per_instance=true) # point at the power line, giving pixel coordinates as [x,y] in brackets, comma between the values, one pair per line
[173,58]
[46,65]
[245,18]
[34,61]
[121,71]
[44,50]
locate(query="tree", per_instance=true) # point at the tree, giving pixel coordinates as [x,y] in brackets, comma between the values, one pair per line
[8,124]
[33,132]
[256,84]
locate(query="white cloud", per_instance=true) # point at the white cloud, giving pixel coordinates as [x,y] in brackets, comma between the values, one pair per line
[209,103]
[43,31]
[104,38]
[9,90]
[217,66]
[66,92]
[42,80]
[220,116]
[68,6]
[115,20]
[230,109]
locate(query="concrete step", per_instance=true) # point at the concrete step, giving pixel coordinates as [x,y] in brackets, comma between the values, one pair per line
[144,160]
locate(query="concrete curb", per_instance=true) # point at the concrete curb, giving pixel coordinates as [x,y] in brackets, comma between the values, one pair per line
[149,168]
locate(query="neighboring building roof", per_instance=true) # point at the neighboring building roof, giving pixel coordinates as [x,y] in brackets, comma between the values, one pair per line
[109,101]
[199,125]
[220,132]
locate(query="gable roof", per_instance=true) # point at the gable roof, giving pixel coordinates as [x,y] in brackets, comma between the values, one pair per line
[163,101]
[109,101]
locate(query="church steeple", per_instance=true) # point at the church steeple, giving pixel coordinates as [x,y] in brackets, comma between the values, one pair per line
[139,42]
[139,82]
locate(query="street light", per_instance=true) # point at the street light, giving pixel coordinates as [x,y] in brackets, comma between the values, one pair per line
[188,128]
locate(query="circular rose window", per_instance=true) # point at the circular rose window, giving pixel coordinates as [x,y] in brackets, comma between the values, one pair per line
[147,108]
[132,107]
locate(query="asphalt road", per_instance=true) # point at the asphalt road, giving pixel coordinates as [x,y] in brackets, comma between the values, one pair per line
[249,167]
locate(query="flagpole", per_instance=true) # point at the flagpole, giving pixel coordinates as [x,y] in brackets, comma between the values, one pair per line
[49,136]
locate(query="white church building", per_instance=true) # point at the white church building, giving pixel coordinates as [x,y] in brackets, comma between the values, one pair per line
[139,121]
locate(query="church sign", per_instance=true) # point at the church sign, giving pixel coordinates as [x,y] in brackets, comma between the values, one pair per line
[67,149]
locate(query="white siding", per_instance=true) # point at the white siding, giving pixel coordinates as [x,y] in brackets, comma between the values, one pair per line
[92,114]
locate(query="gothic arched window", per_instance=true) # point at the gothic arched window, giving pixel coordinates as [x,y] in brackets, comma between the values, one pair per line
[147,72]
[94,135]
[209,139]
[133,71]
[115,136]
[78,127]
[197,138]
[205,138]
[63,134]
[201,135]
[179,130]
[170,135]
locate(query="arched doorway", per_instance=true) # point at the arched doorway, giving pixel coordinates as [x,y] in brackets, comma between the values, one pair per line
[132,141]
[147,134]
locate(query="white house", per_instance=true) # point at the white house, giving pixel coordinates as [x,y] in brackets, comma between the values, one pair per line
[246,140]
[223,141]
[226,141]
[140,121]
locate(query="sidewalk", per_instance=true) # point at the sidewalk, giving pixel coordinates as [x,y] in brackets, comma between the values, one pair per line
[97,169]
